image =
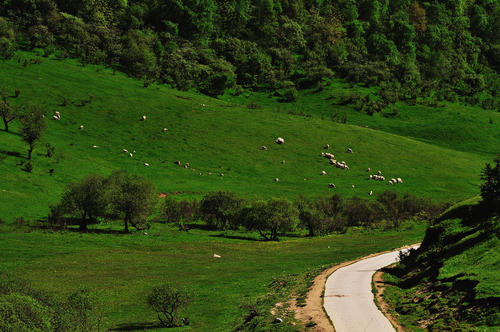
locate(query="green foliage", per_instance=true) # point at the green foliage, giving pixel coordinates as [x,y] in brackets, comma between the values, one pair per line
[490,188]
[86,310]
[167,301]
[22,313]
[270,217]
[221,209]
[33,125]
[85,200]
[132,198]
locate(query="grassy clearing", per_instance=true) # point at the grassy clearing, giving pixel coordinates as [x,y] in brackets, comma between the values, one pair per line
[217,137]
[124,268]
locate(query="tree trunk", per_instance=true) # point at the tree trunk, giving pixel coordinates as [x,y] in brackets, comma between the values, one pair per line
[126,224]
[30,151]
[6,123]
[83,222]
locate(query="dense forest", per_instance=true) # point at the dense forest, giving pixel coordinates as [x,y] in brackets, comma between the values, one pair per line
[448,49]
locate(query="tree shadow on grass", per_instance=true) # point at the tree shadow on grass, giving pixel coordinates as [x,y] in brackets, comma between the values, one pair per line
[10,132]
[236,237]
[12,154]
[137,326]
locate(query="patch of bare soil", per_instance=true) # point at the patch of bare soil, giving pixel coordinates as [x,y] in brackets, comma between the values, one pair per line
[312,315]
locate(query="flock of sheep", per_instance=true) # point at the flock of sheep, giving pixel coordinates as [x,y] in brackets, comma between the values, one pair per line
[280,140]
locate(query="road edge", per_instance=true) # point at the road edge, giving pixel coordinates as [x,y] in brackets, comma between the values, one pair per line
[314,310]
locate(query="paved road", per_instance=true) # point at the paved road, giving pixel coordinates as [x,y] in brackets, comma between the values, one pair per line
[348,297]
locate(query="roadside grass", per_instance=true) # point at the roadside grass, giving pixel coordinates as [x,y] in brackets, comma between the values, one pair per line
[456,277]
[124,268]
[214,136]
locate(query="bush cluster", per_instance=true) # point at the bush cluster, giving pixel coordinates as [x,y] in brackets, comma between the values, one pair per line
[225,210]
[94,198]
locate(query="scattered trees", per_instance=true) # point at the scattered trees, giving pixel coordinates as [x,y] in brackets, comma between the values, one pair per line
[221,209]
[167,301]
[121,195]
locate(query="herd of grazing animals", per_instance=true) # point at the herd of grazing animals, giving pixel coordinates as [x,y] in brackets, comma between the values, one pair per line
[342,164]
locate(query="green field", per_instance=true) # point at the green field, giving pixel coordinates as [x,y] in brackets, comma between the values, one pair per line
[438,152]
[225,138]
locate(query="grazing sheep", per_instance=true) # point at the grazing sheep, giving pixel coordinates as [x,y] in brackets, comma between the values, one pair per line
[369,169]
[177,162]
[221,174]
[399,180]
[371,177]
[280,140]
[329,155]
[263,147]
[81,127]
[283,162]
[164,130]
[371,192]
[382,178]
[186,166]
[125,150]
[394,180]
[143,118]
[331,185]
[203,105]
[130,154]
[146,164]
[352,186]
[390,182]
[55,117]
[326,147]
[95,146]
[276,180]
[379,172]
[349,150]
[216,256]
[323,173]
[209,173]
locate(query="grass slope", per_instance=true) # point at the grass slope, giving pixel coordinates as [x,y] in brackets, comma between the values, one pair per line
[452,283]
[214,136]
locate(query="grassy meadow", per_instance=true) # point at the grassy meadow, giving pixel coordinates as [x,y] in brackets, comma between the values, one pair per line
[224,137]
[438,152]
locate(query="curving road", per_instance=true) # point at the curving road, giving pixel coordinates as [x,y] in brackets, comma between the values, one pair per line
[348,298]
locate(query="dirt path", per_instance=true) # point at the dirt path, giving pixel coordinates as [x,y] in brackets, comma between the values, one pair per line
[313,310]
[379,284]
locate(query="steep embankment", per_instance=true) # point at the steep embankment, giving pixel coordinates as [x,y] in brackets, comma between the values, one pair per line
[451,282]
[216,137]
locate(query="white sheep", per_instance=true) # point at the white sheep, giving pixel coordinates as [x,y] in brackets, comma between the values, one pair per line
[125,150]
[276,180]
[323,173]
[390,182]
[326,147]
[349,150]
[283,161]
[369,169]
[399,180]
[130,154]
[146,164]
[55,117]
[371,192]
[143,118]
[280,140]
[217,256]
[263,147]
[81,127]
[95,146]
[164,130]
[331,185]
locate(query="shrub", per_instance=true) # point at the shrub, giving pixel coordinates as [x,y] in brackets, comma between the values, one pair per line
[322,215]
[220,209]
[171,209]
[167,301]
[490,188]
[85,310]
[289,95]
[19,313]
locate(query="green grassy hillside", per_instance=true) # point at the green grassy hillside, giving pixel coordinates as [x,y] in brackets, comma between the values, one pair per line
[221,137]
[451,282]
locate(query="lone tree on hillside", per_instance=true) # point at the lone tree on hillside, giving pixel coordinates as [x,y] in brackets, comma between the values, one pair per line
[490,189]
[132,198]
[86,200]
[7,112]
[33,124]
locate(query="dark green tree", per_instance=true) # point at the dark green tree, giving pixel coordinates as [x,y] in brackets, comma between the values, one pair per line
[33,125]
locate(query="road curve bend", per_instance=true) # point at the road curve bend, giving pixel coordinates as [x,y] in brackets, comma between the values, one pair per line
[348,298]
